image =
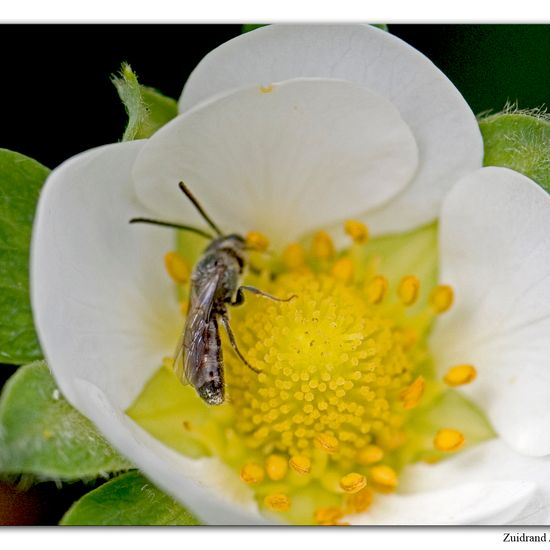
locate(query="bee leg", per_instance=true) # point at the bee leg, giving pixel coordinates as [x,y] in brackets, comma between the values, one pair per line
[233,342]
[259,292]
[239,298]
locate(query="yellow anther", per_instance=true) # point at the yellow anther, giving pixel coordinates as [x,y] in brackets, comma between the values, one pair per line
[460,375]
[278,502]
[257,241]
[266,89]
[370,455]
[276,467]
[448,440]
[441,298]
[294,256]
[300,464]
[357,230]
[323,247]
[376,289]
[353,482]
[384,477]
[360,502]
[343,270]
[411,396]
[408,290]
[177,267]
[252,473]
[327,443]
[328,515]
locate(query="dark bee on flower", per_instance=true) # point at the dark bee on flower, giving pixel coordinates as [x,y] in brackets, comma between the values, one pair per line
[215,285]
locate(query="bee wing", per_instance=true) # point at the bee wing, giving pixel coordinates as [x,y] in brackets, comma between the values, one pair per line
[190,348]
[178,361]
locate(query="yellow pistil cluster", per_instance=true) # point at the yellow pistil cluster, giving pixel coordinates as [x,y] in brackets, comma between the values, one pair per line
[328,423]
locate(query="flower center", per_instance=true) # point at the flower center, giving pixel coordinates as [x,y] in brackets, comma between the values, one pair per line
[345,381]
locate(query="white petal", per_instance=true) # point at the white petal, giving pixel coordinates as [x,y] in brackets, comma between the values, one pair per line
[445,129]
[106,314]
[495,252]
[495,503]
[489,484]
[307,153]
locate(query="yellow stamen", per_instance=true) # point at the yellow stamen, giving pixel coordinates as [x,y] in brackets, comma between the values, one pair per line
[323,247]
[343,270]
[168,363]
[370,455]
[266,89]
[448,440]
[357,230]
[278,502]
[384,477]
[276,467]
[328,515]
[411,396]
[257,241]
[376,289]
[441,298]
[252,473]
[177,267]
[353,482]
[327,443]
[359,502]
[300,464]
[460,375]
[408,290]
[294,256]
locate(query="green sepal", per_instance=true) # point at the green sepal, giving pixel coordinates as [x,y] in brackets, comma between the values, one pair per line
[519,140]
[43,435]
[21,179]
[147,109]
[128,499]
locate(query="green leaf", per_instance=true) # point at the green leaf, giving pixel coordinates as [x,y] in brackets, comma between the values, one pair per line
[148,110]
[381,26]
[129,499]
[252,26]
[43,435]
[519,140]
[21,179]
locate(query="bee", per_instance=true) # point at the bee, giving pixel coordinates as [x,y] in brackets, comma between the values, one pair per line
[215,285]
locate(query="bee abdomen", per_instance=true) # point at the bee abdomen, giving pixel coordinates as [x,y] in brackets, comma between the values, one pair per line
[210,382]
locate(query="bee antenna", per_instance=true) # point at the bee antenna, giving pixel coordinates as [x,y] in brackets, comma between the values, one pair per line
[199,208]
[196,230]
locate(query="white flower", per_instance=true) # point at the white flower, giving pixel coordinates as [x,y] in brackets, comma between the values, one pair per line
[286,130]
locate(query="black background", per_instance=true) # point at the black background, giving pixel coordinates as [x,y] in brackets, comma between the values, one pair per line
[57,100]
